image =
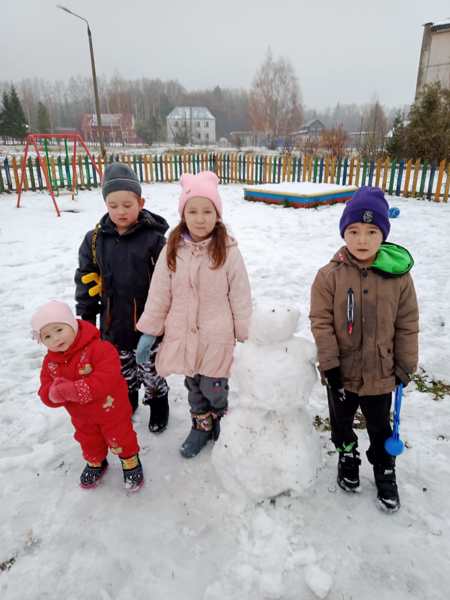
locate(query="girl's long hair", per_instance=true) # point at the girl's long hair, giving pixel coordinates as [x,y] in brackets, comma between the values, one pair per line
[217,247]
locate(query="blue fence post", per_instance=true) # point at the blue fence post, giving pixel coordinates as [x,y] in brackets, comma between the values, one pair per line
[141,173]
[321,170]
[431,180]
[401,166]
[39,174]
[344,171]
[9,184]
[2,185]
[371,171]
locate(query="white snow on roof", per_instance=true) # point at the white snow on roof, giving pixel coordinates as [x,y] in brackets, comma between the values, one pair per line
[441,23]
[108,120]
[190,112]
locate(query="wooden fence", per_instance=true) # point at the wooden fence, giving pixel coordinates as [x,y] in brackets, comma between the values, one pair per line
[398,178]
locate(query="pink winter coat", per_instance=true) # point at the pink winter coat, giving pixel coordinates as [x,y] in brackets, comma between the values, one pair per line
[201,311]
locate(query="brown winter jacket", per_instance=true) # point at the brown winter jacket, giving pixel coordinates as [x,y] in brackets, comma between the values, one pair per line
[384,340]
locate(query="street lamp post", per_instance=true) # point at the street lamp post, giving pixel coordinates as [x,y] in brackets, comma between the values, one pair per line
[94,79]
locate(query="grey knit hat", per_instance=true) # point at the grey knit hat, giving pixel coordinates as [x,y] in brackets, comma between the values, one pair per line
[118,177]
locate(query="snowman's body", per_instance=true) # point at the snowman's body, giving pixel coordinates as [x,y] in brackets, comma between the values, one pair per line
[268,445]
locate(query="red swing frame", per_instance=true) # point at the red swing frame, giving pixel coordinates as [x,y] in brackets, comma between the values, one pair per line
[32,139]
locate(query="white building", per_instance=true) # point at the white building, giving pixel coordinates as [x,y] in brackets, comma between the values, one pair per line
[434,63]
[191,125]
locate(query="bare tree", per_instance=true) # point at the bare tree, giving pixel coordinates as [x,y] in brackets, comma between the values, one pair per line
[334,141]
[275,99]
[376,128]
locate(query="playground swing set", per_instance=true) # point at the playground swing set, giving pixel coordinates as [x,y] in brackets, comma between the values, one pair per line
[33,140]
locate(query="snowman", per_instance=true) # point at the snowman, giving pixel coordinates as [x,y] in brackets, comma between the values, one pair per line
[268,445]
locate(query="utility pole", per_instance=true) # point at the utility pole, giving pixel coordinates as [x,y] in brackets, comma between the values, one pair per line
[94,79]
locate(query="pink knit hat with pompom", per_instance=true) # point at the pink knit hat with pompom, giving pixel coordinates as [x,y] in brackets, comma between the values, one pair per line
[202,185]
[54,311]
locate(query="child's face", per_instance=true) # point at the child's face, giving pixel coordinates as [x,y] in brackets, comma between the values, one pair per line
[200,216]
[57,337]
[363,241]
[123,209]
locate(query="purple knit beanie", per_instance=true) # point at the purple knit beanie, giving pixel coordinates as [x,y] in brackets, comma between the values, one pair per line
[368,205]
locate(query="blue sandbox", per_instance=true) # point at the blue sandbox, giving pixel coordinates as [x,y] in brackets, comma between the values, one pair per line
[299,195]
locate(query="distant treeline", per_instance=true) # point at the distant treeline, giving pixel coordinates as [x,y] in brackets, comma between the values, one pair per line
[151,100]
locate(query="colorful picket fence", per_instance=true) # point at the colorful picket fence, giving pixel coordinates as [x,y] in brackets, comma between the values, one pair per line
[397,178]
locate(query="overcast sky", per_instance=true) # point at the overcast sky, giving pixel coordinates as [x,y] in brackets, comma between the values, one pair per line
[346,51]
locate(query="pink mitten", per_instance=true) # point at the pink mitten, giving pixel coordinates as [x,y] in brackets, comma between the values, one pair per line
[54,394]
[64,390]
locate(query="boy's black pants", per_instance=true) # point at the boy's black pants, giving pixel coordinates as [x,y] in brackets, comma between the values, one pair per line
[376,410]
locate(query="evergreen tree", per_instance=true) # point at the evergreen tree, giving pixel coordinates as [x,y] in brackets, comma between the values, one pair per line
[12,118]
[150,130]
[19,125]
[428,131]
[43,119]
[395,146]
[4,120]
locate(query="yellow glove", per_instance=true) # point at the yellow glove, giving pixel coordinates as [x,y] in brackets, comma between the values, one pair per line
[93,277]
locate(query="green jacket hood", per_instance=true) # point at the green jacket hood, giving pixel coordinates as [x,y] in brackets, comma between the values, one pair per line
[393,260]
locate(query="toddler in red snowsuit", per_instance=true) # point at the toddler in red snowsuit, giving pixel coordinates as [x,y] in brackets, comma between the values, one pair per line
[82,373]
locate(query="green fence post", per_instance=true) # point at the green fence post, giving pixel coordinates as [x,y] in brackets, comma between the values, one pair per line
[60,172]
[88,174]
[423,178]
[315,171]
[392,177]
[68,166]
[364,173]
[31,172]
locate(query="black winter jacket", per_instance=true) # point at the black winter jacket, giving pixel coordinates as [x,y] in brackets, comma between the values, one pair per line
[125,263]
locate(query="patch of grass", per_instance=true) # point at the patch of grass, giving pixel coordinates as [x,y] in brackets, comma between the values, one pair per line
[323,424]
[437,388]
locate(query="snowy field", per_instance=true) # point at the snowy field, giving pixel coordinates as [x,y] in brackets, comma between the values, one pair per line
[183,537]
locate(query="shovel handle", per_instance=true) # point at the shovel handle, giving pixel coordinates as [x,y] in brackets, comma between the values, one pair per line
[397,407]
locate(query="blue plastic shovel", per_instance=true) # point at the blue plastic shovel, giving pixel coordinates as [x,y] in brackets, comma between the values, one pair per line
[394,445]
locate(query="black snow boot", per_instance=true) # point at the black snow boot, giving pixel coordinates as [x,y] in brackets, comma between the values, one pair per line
[159,413]
[133,475]
[348,468]
[216,417]
[92,475]
[199,436]
[133,397]
[387,491]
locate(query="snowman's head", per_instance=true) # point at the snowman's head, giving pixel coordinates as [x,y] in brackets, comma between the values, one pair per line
[272,323]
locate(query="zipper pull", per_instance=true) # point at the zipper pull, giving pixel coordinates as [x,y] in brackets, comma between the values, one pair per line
[350,311]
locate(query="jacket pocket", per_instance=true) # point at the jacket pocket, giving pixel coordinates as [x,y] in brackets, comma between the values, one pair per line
[386,357]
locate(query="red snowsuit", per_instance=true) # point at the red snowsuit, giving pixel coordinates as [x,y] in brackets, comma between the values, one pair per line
[102,413]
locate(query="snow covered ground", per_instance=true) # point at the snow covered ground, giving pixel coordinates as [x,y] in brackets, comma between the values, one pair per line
[183,537]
